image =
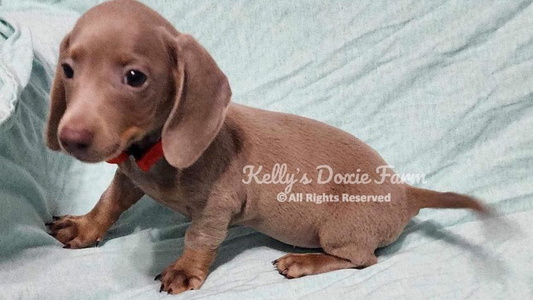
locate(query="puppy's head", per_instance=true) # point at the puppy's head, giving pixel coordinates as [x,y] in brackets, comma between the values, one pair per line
[124,73]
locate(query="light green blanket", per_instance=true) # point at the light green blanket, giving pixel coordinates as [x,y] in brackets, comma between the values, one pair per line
[439,88]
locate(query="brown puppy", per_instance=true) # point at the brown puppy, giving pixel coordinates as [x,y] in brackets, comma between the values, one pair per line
[123,86]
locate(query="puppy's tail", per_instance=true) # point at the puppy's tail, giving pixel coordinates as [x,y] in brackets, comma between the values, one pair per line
[496,228]
[421,198]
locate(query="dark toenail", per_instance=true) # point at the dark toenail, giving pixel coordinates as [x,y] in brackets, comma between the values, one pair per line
[67,246]
[169,291]
[161,288]
[157,277]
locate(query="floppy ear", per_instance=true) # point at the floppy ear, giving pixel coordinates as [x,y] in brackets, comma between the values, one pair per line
[57,100]
[200,104]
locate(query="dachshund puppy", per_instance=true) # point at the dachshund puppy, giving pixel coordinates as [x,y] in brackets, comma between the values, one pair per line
[132,90]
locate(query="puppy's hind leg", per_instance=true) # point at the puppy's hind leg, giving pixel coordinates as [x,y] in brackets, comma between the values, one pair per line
[340,254]
[294,265]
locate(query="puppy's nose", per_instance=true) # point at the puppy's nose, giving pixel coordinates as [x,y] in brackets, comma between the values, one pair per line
[76,141]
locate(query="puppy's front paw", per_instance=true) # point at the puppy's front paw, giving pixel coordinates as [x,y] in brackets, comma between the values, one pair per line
[176,279]
[75,231]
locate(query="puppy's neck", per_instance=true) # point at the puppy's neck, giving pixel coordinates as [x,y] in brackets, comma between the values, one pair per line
[138,149]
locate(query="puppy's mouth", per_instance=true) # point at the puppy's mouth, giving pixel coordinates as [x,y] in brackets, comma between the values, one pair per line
[132,141]
[96,155]
[91,156]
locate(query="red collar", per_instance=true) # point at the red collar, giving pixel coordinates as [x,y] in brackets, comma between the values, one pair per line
[148,159]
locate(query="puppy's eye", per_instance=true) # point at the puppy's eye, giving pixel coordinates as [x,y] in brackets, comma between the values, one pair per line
[69,73]
[134,78]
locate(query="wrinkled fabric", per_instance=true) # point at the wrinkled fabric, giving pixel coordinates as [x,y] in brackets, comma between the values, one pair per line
[441,88]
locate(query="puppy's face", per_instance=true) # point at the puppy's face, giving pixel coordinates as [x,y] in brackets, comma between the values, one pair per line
[123,73]
[118,83]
